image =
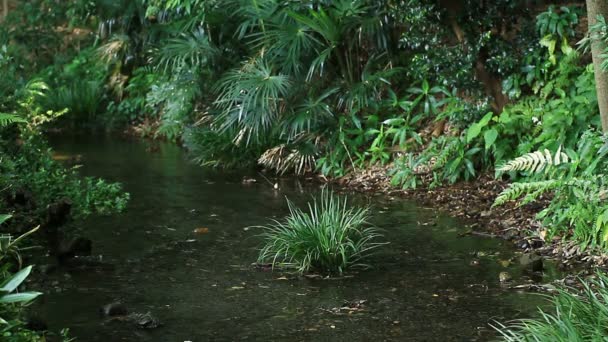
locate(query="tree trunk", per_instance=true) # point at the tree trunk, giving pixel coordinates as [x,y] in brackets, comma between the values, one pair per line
[4,9]
[595,8]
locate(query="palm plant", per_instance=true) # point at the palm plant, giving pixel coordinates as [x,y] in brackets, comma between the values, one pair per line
[187,51]
[305,71]
[330,237]
[252,98]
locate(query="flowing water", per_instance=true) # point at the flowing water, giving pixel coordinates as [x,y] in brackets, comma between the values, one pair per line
[203,287]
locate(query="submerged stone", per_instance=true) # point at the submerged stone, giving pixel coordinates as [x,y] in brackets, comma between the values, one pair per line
[504,277]
[113,309]
[533,261]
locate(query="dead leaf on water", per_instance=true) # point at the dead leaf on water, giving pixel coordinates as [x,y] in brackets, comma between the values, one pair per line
[504,263]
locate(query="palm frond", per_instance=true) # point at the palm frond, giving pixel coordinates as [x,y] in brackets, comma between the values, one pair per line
[311,115]
[188,50]
[289,43]
[251,98]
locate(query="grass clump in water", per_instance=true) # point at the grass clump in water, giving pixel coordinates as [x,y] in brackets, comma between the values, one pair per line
[331,237]
[575,317]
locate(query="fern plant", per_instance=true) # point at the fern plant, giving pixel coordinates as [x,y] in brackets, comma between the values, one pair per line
[535,161]
[578,209]
[7,119]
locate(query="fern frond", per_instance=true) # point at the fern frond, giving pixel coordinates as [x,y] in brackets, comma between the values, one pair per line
[531,190]
[535,161]
[447,152]
[7,119]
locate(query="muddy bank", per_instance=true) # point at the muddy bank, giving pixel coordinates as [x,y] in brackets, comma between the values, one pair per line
[472,201]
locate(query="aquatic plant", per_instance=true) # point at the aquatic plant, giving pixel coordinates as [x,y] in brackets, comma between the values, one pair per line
[331,237]
[575,317]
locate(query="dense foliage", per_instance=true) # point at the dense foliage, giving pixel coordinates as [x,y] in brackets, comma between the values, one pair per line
[434,92]
[431,92]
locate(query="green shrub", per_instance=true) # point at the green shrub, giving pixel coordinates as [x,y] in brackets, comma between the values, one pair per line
[82,99]
[576,182]
[574,317]
[330,237]
[12,300]
[216,149]
[447,158]
[31,167]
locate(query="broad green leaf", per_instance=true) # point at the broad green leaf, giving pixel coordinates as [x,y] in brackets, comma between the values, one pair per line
[19,297]
[476,128]
[4,217]
[16,280]
[490,137]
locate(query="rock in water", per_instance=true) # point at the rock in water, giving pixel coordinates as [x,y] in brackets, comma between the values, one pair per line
[504,277]
[77,246]
[113,309]
[144,321]
[533,261]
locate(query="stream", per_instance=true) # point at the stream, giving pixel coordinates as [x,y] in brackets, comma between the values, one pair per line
[428,284]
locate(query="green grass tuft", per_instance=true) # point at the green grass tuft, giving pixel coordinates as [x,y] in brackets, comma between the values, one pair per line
[331,237]
[575,317]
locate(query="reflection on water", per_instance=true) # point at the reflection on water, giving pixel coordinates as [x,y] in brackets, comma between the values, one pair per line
[203,288]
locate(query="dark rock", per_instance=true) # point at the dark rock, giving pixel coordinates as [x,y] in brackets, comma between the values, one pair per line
[145,321]
[523,244]
[21,197]
[57,214]
[536,244]
[532,261]
[36,324]
[48,269]
[113,309]
[510,234]
[77,246]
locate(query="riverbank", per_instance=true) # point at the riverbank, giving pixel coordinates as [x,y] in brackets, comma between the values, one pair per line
[472,201]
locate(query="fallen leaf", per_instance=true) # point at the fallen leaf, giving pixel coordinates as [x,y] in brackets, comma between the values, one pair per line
[504,263]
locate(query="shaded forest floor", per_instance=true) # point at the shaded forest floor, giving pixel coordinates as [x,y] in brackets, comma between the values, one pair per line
[472,201]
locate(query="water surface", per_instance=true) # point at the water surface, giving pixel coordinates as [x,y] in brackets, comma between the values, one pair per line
[203,287]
